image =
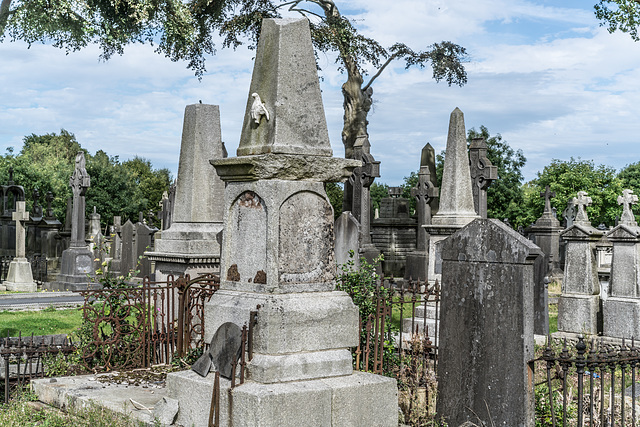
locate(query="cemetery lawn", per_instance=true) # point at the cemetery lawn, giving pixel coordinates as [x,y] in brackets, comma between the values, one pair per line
[407,311]
[43,322]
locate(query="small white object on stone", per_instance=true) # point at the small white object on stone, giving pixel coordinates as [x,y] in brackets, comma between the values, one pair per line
[258,109]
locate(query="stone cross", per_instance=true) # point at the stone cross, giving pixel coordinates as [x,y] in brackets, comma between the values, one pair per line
[361,180]
[424,193]
[20,216]
[569,214]
[627,200]
[547,194]
[483,173]
[79,182]
[49,199]
[581,201]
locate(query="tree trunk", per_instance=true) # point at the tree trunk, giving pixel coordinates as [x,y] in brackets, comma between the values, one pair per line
[4,14]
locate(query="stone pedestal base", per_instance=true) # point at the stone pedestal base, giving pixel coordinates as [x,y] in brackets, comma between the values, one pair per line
[182,264]
[360,399]
[417,265]
[75,269]
[621,317]
[19,276]
[579,313]
[190,238]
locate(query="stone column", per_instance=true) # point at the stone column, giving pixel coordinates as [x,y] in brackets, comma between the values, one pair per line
[483,173]
[486,327]
[19,276]
[456,196]
[621,309]
[277,252]
[579,304]
[77,260]
[426,193]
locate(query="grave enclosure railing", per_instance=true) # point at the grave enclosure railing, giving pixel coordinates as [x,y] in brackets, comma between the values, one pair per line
[140,326]
[23,358]
[589,385]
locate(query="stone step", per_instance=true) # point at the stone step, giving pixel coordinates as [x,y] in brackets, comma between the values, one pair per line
[420,323]
[430,308]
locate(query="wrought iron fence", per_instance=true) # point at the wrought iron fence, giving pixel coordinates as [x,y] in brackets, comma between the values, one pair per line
[139,326]
[589,385]
[22,358]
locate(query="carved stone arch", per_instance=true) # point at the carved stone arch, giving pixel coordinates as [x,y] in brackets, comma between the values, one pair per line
[306,239]
[248,248]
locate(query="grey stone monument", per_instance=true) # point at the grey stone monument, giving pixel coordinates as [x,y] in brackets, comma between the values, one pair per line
[347,238]
[486,327]
[426,194]
[545,233]
[483,173]
[19,276]
[277,252]
[579,303]
[456,196]
[191,243]
[621,309]
[77,260]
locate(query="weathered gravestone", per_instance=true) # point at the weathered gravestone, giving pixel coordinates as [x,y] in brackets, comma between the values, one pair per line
[77,260]
[621,309]
[277,252]
[19,276]
[426,194]
[456,197]
[486,327]
[143,243]
[347,237]
[128,259]
[579,303]
[191,243]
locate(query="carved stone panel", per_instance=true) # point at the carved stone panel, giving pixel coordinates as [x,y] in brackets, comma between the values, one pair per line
[249,245]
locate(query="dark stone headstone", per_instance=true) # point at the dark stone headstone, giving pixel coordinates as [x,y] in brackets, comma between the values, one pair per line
[486,328]
[127,257]
[144,242]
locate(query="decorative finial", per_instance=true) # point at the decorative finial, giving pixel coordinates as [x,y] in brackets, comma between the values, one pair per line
[258,109]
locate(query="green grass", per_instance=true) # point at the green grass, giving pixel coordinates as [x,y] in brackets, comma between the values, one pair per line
[406,312]
[44,322]
[553,318]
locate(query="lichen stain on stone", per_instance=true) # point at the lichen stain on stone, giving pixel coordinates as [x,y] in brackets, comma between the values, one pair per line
[232,273]
[249,199]
[261,277]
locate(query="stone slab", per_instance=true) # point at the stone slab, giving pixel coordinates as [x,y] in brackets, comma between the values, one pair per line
[19,276]
[270,369]
[578,313]
[621,317]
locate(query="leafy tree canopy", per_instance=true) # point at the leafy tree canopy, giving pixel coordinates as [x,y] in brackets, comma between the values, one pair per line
[46,162]
[622,15]
[566,178]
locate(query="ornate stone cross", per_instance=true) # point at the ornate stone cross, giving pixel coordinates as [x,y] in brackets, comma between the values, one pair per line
[547,194]
[627,200]
[424,192]
[483,173]
[581,201]
[20,216]
[49,200]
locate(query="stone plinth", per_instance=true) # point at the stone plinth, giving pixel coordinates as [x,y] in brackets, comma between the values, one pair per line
[191,245]
[621,309]
[19,276]
[486,327]
[578,306]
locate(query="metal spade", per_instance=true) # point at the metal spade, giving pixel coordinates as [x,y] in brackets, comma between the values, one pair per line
[224,350]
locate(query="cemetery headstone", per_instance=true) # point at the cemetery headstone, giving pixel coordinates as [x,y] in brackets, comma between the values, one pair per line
[191,245]
[483,173]
[277,251]
[579,303]
[426,194]
[621,309]
[19,276]
[347,236]
[486,327]
[77,261]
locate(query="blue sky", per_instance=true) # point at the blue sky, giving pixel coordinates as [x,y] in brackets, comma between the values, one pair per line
[543,74]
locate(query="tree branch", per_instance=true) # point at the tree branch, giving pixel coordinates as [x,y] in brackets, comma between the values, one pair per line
[377,74]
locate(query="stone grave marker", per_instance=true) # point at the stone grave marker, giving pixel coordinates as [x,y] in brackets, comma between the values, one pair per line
[19,276]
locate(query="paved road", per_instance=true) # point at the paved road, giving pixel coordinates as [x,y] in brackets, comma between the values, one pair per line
[39,300]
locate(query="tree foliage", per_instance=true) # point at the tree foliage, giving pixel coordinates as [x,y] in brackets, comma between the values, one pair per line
[566,178]
[622,15]
[46,162]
